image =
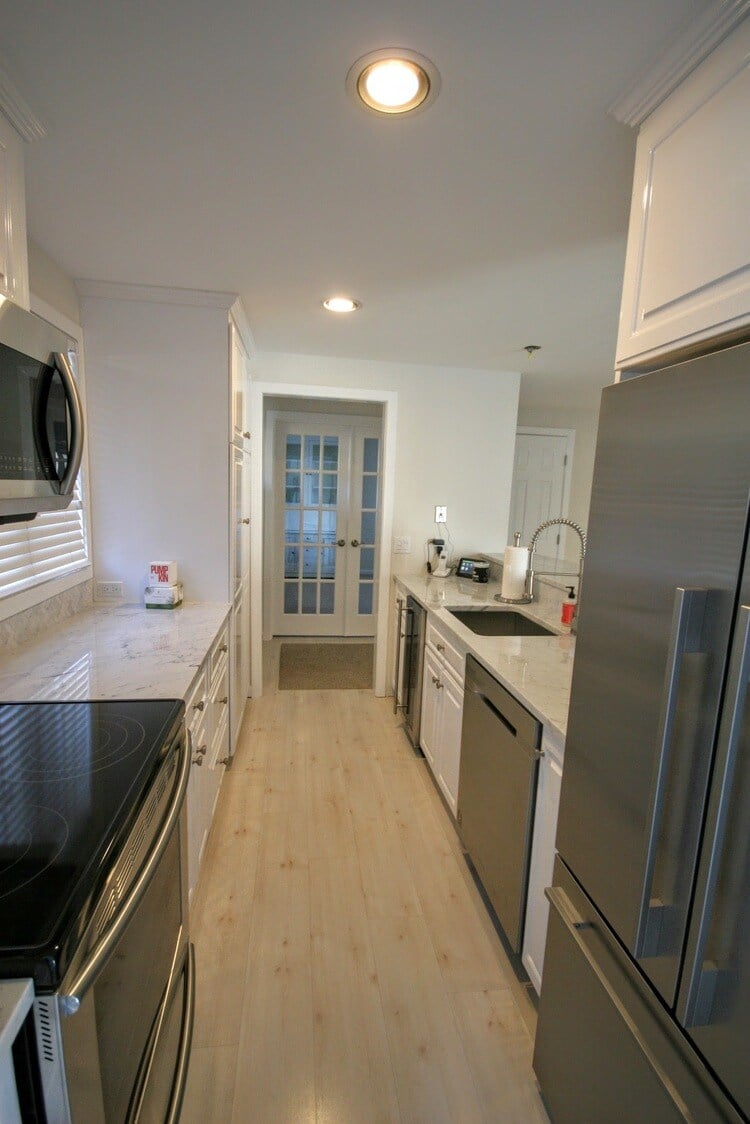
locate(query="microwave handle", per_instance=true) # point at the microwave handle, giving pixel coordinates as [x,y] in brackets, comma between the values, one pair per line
[75,455]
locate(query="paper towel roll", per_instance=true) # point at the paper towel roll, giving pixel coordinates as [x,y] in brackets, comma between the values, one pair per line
[515,564]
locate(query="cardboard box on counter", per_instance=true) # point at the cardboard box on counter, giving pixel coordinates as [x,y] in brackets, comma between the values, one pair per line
[164,596]
[162,573]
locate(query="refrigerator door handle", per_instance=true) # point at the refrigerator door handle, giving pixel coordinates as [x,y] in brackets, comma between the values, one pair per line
[396,704]
[575,924]
[704,974]
[685,636]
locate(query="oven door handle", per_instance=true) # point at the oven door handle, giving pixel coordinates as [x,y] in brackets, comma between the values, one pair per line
[72,992]
[186,968]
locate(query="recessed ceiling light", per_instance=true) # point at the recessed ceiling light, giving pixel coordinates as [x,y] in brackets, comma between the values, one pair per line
[341,304]
[394,81]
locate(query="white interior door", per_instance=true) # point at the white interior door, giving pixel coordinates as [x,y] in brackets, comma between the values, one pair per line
[538,490]
[326,526]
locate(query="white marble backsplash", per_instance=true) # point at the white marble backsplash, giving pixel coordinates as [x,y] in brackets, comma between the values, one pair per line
[44,618]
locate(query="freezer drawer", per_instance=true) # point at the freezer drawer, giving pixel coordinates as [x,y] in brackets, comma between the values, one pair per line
[605,1048]
[496,793]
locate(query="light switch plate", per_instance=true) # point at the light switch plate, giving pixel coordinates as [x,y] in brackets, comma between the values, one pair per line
[441,514]
[402,545]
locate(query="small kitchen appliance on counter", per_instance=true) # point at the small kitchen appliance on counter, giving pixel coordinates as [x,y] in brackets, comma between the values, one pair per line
[94,906]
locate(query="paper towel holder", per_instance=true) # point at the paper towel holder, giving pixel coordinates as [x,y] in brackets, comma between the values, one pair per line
[525,600]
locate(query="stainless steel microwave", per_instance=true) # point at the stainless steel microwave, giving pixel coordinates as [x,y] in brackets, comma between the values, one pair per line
[41,419]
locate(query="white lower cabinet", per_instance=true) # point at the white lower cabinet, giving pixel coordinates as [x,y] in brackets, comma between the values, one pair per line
[207,722]
[442,710]
[542,855]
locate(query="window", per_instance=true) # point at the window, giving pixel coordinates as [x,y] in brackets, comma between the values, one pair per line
[50,546]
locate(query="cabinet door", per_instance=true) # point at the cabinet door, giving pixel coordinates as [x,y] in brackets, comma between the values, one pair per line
[240,515]
[14,270]
[429,729]
[687,270]
[197,826]
[239,378]
[449,753]
[542,862]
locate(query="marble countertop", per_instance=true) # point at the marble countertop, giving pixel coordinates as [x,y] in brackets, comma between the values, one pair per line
[536,669]
[114,652]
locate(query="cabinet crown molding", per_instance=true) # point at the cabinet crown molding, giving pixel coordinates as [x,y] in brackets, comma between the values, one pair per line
[158,294]
[18,111]
[690,48]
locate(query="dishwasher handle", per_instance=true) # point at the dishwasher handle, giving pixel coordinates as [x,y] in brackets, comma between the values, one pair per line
[498,714]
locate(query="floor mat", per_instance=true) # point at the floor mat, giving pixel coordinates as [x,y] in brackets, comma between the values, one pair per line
[325,667]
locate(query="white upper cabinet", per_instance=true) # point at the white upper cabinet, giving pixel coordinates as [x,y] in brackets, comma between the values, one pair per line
[240,378]
[14,267]
[687,270]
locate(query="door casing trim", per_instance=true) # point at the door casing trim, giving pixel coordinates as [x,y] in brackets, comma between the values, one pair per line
[389,401]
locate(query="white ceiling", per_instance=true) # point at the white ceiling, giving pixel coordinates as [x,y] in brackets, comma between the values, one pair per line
[213,145]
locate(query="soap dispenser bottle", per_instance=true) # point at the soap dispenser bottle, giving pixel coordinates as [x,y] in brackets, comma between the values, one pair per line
[569,606]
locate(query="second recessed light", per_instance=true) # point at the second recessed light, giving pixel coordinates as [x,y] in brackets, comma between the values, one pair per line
[341,304]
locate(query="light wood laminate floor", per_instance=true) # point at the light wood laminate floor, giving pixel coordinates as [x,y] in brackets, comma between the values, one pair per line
[347,969]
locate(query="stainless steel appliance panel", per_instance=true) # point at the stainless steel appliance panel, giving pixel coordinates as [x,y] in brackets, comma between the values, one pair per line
[666,539]
[416,618]
[715,992]
[496,793]
[606,1050]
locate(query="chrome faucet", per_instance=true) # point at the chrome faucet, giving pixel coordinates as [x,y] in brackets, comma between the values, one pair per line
[528,593]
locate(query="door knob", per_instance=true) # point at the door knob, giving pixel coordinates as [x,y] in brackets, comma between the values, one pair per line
[341,542]
[197,760]
[245,521]
[355,542]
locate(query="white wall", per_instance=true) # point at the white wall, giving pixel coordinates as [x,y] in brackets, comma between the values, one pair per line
[585,422]
[51,284]
[455,443]
[158,418]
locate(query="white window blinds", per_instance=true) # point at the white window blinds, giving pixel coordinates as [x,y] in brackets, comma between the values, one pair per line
[53,544]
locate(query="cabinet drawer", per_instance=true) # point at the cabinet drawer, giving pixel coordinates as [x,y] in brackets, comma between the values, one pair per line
[219,653]
[197,702]
[454,658]
[220,695]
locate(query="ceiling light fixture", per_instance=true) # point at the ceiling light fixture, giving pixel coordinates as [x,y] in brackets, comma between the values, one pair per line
[531,349]
[341,304]
[394,81]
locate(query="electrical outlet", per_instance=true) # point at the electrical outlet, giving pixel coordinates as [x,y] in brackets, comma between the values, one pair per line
[109,591]
[402,545]
[441,514]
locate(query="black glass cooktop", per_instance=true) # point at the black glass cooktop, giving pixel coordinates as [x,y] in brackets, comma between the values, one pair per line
[72,776]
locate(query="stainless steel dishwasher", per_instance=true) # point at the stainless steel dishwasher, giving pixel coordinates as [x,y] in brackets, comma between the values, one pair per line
[496,793]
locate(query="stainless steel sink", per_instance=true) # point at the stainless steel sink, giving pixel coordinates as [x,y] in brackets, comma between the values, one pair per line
[499,622]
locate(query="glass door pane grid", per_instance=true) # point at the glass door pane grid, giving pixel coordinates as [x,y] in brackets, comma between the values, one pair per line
[368,527]
[310,524]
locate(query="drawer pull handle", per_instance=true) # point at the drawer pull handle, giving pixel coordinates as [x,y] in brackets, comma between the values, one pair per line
[197,760]
[440,647]
[223,648]
[199,705]
[223,701]
[246,433]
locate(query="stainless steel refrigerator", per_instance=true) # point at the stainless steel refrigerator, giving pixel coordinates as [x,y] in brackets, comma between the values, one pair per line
[644,1012]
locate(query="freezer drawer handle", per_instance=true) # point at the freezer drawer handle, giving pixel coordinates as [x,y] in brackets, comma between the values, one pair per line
[686,636]
[562,905]
[705,974]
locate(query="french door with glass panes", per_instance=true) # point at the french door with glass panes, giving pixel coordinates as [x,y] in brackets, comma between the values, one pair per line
[327,499]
